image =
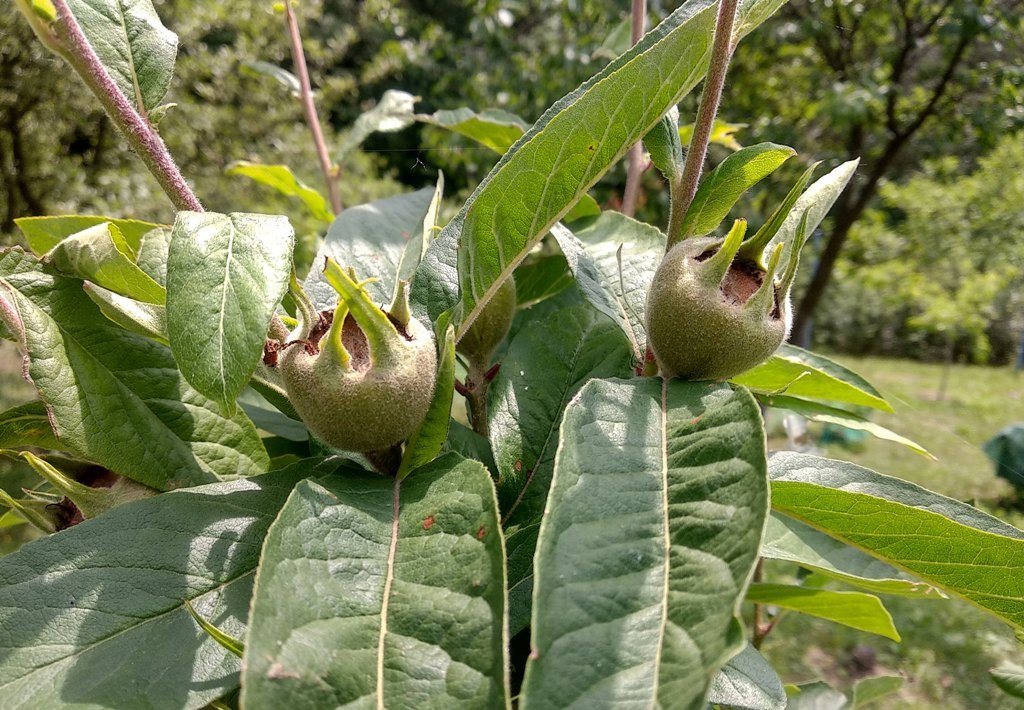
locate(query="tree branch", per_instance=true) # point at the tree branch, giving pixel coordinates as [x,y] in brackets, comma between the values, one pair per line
[634,160]
[140,134]
[721,53]
[327,167]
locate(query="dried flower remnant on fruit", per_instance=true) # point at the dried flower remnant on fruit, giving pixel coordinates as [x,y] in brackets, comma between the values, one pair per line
[363,377]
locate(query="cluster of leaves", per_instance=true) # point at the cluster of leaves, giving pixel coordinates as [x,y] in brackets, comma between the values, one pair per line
[609,523]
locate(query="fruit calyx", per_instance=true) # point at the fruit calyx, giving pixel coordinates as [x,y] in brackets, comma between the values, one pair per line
[715,310]
[360,377]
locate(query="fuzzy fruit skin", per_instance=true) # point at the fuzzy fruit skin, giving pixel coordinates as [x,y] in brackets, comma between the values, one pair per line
[363,408]
[491,326]
[696,330]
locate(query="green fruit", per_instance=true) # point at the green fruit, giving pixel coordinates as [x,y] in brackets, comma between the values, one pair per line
[367,385]
[713,311]
[491,326]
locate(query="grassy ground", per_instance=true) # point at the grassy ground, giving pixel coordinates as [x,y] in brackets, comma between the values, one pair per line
[948,646]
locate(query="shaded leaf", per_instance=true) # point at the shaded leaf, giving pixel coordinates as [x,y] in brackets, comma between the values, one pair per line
[148,319]
[790,540]
[371,239]
[651,533]
[816,696]
[664,146]
[226,276]
[393,112]
[868,690]
[540,278]
[27,425]
[394,590]
[747,682]
[1010,678]
[75,606]
[282,76]
[547,362]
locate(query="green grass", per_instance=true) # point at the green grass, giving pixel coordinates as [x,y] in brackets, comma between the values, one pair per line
[948,646]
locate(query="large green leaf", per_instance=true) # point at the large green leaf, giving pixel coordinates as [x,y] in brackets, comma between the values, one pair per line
[375,592]
[547,363]
[44,233]
[115,397]
[226,275]
[627,254]
[735,175]
[371,239]
[95,616]
[576,140]
[940,540]
[282,179]
[801,373]
[790,540]
[133,45]
[857,610]
[103,255]
[747,682]
[651,533]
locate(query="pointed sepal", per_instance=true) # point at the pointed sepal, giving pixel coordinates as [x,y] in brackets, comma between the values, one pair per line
[714,269]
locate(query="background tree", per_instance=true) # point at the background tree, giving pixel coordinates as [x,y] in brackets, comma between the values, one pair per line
[894,82]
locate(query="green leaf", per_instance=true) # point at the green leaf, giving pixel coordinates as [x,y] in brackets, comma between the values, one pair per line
[651,533]
[857,610]
[817,696]
[423,446]
[520,546]
[747,682]
[74,607]
[371,239]
[133,45]
[147,319]
[541,278]
[28,425]
[868,690]
[801,373]
[815,202]
[151,253]
[792,541]
[11,519]
[114,397]
[626,253]
[721,134]
[664,146]
[942,541]
[1010,678]
[548,360]
[374,591]
[470,445]
[493,128]
[418,244]
[818,412]
[576,140]
[44,233]
[101,254]
[282,179]
[284,77]
[226,275]
[228,642]
[735,175]
[393,112]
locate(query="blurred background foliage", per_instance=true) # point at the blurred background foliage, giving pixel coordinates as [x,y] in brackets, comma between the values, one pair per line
[920,257]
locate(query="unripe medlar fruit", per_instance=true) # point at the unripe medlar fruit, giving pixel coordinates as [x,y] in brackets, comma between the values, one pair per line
[491,326]
[367,384]
[713,310]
